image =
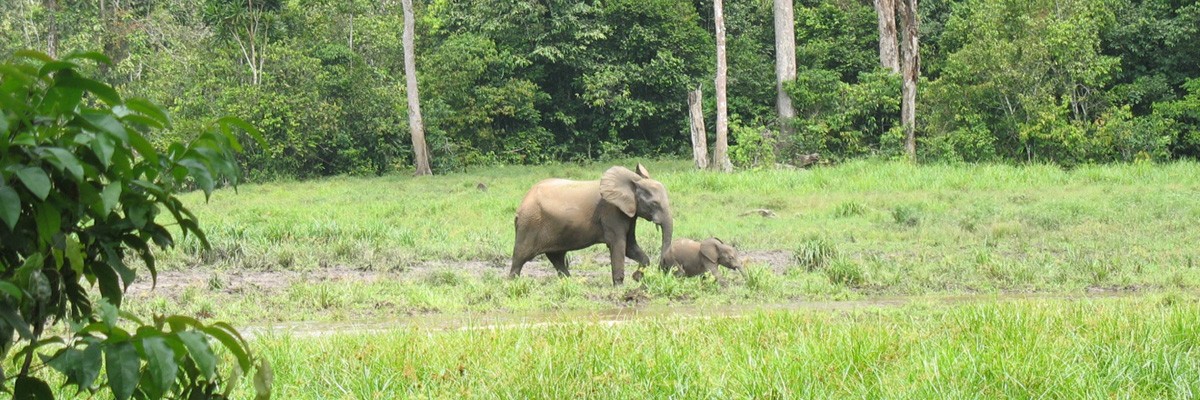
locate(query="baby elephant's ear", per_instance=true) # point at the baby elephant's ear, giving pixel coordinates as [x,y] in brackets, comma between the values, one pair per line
[710,251]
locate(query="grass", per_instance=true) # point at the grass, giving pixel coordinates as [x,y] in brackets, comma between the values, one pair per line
[855,230]
[1146,347]
[389,249]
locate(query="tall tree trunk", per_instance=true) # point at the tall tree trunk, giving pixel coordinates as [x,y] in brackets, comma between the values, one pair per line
[911,69]
[699,138]
[52,28]
[889,57]
[785,62]
[721,149]
[420,150]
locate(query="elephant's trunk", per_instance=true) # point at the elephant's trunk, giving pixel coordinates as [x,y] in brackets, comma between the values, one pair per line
[666,226]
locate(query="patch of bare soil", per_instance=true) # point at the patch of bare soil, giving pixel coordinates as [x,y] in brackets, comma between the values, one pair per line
[590,265]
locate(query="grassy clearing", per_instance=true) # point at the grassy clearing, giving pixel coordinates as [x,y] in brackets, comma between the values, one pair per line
[1147,347]
[854,230]
[1124,215]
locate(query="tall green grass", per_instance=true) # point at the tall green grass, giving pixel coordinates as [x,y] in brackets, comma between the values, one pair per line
[853,230]
[1110,348]
[1126,214]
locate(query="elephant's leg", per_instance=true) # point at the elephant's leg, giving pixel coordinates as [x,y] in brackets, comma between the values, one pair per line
[632,250]
[559,259]
[617,252]
[519,259]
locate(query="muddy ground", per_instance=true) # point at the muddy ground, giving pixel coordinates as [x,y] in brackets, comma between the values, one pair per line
[237,281]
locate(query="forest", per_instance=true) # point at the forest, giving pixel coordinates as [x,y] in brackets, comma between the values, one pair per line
[1064,82]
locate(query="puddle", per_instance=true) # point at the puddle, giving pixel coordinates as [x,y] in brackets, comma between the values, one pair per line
[617,316]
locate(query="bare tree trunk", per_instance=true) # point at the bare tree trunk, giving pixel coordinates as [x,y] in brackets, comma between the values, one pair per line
[52,28]
[785,62]
[889,57]
[721,149]
[699,138]
[420,150]
[911,69]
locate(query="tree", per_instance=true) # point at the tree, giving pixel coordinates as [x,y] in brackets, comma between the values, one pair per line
[82,188]
[785,61]
[720,159]
[696,125]
[911,68]
[52,28]
[420,150]
[247,24]
[889,57]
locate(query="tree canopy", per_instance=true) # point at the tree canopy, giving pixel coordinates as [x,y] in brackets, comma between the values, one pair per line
[521,81]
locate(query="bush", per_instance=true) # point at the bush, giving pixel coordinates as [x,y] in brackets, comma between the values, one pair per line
[753,147]
[81,188]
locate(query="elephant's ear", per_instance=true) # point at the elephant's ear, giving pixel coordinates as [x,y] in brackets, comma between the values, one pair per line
[641,171]
[709,251]
[616,187]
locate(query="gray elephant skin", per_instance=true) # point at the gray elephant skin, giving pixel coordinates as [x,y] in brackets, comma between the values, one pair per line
[695,258]
[560,215]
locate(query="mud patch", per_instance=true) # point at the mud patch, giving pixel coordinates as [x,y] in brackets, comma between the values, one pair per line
[590,265]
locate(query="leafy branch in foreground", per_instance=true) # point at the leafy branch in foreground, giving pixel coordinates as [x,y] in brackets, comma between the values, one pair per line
[80,187]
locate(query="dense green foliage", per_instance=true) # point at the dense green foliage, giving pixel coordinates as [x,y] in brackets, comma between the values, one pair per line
[525,81]
[81,190]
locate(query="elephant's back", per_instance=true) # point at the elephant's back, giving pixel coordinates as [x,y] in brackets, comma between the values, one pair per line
[557,198]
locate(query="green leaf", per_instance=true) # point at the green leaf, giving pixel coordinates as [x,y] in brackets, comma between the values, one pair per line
[33,54]
[231,343]
[100,89]
[160,362]
[35,180]
[9,316]
[30,388]
[49,222]
[123,368]
[91,55]
[74,251]
[143,147]
[201,352]
[65,161]
[24,139]
[200,174]
[117,262]
[105,122]
[110,196]
[149,109]
[10,289]
[55,66]
[81,367]
[110,285]
[103,146]
[245,126]
[10,206]
[262,380]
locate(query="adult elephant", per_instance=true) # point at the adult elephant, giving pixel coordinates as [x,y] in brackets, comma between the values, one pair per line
[560,215]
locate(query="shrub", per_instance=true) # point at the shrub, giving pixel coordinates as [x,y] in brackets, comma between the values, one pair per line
[82,187]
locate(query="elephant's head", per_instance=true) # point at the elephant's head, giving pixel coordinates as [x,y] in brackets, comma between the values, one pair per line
[636,195]
[716,251]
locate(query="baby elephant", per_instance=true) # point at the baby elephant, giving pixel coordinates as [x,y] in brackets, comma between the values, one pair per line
[695,258]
